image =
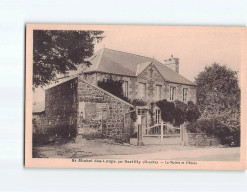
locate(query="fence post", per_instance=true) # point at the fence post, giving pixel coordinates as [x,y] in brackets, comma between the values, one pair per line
[140,136]
[161,132]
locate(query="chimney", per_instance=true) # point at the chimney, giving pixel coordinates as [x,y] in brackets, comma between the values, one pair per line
[172,63]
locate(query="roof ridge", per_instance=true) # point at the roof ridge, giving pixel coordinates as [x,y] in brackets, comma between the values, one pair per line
[130,53]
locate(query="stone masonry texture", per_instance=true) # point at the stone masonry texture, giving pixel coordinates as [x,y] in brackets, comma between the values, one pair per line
[102,113]
[90,109]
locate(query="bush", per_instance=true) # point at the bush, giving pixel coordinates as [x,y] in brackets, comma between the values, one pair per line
[178,116]
[53,134]
[41,139]
[167,110]
[181,105]
[192,113]
[236,137]
[213,127]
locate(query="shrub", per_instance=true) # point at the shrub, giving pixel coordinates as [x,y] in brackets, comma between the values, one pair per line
[181,105]
[192,127]
[41,139]
[192,113]
[213,127]
[236,137]
[64,132]
[178,116]
[167,110]
[151,112]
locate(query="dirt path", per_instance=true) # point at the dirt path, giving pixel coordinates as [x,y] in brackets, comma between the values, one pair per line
[87,148]
[202,154]
[83,148]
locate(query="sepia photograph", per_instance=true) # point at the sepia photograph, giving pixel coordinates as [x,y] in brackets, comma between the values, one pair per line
[151,97]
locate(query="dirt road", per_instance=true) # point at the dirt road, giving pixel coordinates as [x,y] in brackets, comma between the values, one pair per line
[83,148]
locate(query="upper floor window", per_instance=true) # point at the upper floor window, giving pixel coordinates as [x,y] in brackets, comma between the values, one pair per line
[158,92]
[172,93]
[185,94]
[125,88]
[142,90]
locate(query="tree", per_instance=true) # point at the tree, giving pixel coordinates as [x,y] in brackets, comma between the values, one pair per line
[113,87]
[218,94]
[59,51]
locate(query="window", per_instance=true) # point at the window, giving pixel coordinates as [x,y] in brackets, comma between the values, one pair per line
[125,88]
[185,92]
[142,91]
[158,92]
[172,93]
[142,112]
[157,116]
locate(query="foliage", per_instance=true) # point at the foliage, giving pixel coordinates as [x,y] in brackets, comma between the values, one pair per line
[178,112]
[213,127]
[236,137]
[59,51]
[181,105]
[151,112]
[61,132]
[167,110]
[179,116]
[218,94]
[133,114]
[139,102]
[192,113]
[114,87]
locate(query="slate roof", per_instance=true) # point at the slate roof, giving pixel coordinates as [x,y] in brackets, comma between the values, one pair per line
[127,64]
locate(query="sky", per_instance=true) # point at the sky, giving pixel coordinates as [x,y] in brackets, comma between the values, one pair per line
[196,47]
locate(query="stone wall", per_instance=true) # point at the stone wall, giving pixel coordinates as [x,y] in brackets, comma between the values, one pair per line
[200,139]
[61,105]
[151,77]
[39,123]
[101,113]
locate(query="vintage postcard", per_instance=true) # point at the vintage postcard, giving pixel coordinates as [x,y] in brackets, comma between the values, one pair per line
[142,97]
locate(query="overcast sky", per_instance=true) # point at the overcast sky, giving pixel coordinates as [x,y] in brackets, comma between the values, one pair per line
[195,47]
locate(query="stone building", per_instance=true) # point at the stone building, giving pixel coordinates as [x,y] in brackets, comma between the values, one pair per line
[89,110]
[78,102]
[143,78]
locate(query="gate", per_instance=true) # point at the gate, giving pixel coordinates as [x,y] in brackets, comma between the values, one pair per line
[162,131]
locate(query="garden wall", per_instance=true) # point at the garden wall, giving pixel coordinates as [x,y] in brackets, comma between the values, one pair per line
[201,139]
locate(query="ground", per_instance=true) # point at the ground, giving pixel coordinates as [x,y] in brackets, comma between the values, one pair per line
[107,149]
